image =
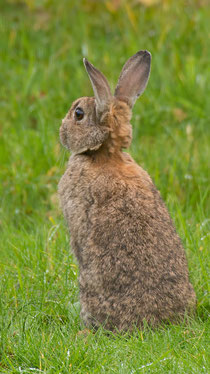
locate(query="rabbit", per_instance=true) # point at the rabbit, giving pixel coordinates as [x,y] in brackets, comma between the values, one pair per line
[132,265]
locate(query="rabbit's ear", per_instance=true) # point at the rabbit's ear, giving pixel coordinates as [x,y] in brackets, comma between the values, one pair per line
[100,86]
[134,77]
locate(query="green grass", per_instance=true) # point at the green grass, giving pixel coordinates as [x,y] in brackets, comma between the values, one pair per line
[41,72]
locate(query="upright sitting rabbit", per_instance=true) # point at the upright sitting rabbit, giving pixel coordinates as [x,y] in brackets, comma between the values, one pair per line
[131,261]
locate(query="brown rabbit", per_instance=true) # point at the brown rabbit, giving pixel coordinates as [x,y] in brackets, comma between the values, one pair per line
[131,260]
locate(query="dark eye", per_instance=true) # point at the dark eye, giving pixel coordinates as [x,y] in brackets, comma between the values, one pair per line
[79,113]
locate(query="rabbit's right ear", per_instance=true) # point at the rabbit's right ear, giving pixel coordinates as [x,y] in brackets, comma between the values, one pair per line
[100,86]
[134,77]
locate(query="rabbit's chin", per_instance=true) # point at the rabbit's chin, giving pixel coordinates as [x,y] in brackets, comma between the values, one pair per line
[85,149]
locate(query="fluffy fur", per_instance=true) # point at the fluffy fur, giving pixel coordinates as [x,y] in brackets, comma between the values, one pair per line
[132,263]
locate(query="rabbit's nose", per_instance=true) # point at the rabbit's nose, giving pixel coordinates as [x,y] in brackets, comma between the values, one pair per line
[64,123]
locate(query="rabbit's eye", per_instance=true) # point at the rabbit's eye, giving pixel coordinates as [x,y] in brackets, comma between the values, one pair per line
[79,113]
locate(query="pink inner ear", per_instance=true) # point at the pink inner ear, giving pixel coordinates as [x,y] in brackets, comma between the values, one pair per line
[134,77]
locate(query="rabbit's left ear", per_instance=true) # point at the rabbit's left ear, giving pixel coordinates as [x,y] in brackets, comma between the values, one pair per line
[100,86]
[134,77]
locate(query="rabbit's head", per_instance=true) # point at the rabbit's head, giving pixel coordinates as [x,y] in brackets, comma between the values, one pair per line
[102,122]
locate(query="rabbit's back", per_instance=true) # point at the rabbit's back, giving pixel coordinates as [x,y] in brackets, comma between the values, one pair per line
[132,263]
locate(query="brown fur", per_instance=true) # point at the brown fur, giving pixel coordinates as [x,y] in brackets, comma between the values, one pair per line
[131,260]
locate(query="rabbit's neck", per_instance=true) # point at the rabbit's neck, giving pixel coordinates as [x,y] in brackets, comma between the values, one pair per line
[117,120]
[104,156]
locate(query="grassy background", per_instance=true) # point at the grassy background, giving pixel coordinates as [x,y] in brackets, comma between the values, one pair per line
[41,72]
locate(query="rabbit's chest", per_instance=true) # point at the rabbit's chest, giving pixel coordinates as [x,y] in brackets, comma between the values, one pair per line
[77,198]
